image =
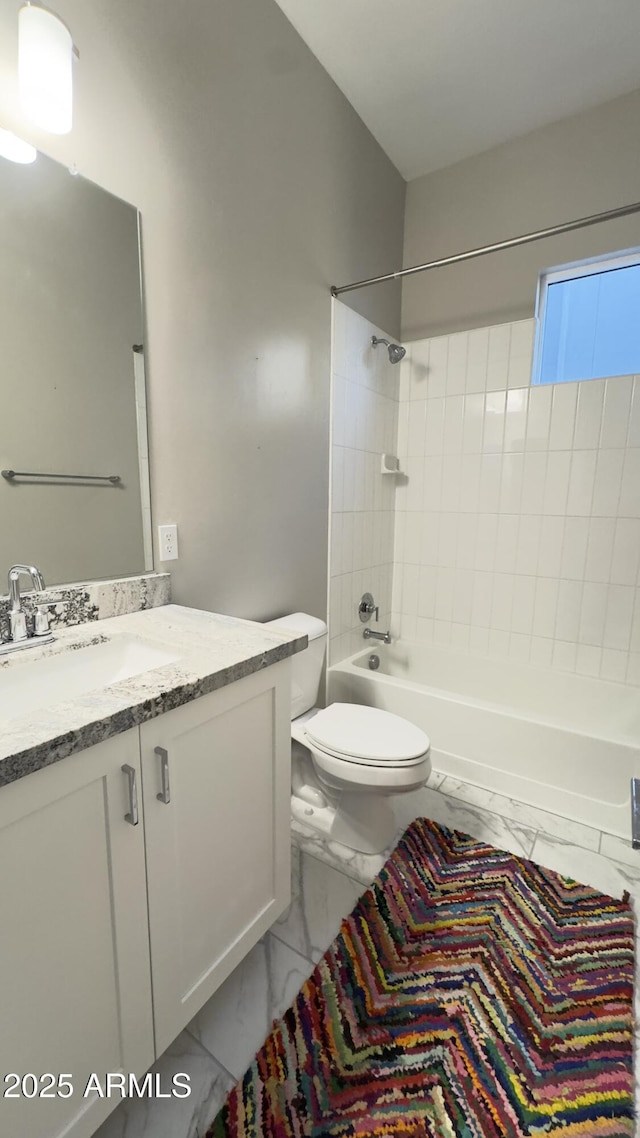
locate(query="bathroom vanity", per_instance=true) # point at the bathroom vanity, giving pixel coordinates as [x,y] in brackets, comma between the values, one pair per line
[144,844]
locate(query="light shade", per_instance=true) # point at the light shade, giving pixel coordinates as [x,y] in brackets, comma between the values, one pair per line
[15,149]
[45,69]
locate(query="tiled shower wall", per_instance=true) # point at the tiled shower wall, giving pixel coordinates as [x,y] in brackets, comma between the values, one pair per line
[518,514]
[365,389]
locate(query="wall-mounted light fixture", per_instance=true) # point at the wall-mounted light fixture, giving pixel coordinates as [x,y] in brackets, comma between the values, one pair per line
[45,69]
[16,149]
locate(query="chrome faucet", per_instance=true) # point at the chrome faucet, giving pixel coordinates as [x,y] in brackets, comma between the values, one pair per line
[17,616]
[371,634]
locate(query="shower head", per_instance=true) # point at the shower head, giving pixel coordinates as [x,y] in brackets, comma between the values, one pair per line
[396,352]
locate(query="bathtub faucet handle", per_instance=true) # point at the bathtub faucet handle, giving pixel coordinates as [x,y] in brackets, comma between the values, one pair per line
[367,607]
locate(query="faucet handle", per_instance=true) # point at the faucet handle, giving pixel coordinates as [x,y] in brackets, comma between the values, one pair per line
[41,626]
[367,607]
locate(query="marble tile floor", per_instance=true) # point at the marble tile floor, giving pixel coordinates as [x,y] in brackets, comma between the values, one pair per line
[327,880]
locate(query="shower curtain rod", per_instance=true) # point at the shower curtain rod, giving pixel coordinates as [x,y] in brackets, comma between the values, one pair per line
[510,243]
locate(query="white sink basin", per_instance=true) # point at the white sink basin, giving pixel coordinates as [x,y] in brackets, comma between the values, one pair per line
[29,686]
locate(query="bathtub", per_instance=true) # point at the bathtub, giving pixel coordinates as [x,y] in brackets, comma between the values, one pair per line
[569,744]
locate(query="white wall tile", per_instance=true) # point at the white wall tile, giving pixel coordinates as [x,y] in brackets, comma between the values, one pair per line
[457,363]
[481,600]
[619,615]
[490,483]
[588,660]
[541,652]
[617,407]
[539,418]
[608,482]
[415,430]
[498,642]
[600,549]
[569,608]
[498,357]
[452,431]
[417,375]
[613,664]
[494,413]
[551,541]
[556,486]
[521,342]
[451,482]
[486,541]
[629,503]
[633,669]
[581,482]
[534,474]
[462,599]
[574,548]
[545,607]
[517,518]
[592,613]
[528,552]
[589,414]
[432,474]
[625,559]
[512,487]
[515,424]
[445,579]
[633,438]
[519,646]
[427,592]
[477,355]
[438,357]
[467,538]
[563,416]
[434,429]
[448,539]
[564,655]
[470,466]
[502,601]
[507,542]
[524,594]
[473,423]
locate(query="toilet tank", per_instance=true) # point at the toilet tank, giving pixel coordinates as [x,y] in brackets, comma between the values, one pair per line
[306,665]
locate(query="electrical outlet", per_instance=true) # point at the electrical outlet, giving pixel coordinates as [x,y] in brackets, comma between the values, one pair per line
[168,542]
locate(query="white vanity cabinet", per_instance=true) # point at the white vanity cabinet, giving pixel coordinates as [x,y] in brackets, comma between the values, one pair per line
[109,927]
[217,836]
[74,958]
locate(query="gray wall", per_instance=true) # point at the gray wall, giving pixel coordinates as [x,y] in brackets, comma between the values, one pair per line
[580,165]
[70,313]
[259,187]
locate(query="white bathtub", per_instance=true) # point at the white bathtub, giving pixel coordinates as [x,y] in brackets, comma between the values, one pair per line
[566,743]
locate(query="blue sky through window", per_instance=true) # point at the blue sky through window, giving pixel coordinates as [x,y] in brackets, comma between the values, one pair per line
[592,326]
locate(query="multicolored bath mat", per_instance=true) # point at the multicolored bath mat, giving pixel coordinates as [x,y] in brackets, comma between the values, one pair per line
[470,994]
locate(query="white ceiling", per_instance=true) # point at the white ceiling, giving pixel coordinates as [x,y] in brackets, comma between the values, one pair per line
[438,80]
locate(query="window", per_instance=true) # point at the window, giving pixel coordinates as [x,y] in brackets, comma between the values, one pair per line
[589,321]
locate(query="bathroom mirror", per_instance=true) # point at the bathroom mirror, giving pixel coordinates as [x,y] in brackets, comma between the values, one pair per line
[72,391]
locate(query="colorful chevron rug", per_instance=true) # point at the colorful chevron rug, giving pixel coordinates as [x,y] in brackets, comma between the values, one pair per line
[470,994]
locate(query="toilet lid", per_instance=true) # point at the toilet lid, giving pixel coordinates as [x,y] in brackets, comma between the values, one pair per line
[366,733]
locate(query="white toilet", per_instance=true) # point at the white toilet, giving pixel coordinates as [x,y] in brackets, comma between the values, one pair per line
[346,759]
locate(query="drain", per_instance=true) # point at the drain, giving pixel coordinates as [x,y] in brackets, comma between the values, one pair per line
[374,662]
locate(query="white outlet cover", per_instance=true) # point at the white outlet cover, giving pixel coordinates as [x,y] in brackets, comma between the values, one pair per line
[168,542]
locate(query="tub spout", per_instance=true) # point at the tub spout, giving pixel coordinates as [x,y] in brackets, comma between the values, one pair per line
[370,634]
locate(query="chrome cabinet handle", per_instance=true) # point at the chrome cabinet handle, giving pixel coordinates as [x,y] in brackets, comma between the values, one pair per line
[132,816]
[165,793]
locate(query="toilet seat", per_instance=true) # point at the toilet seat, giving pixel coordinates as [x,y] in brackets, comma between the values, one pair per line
[367,736]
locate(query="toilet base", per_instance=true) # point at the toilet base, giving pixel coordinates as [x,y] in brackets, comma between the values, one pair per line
[363,822]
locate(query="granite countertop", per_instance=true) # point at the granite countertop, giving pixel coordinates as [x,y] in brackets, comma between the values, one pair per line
[208,652]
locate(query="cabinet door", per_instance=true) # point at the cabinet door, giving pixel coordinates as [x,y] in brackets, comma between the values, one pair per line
[218,850]
[74,958]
